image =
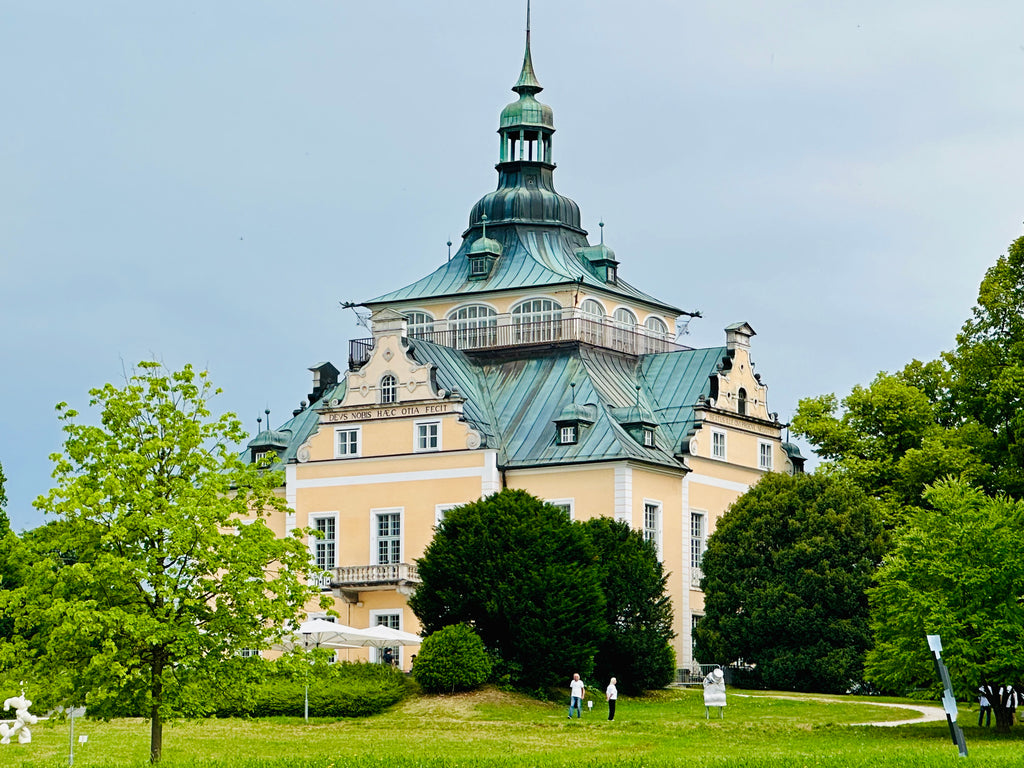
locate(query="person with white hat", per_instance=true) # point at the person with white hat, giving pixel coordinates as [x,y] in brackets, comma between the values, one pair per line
[714,692]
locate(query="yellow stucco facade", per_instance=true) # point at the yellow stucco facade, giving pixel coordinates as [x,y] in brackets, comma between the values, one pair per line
[523,361]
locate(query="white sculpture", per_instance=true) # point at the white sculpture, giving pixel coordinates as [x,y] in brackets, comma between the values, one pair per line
[714,692]
[22,720]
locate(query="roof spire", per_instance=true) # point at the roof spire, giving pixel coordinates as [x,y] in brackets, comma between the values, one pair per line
[527,82]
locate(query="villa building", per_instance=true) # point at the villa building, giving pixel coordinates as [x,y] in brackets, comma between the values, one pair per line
[526,361]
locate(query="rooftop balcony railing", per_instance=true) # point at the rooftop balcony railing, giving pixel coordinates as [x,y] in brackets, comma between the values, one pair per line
[508,332]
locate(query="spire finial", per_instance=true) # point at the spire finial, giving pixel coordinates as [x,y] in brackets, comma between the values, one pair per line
[483,223]
[449,249]
[573,385]
[527,82]
[601,224]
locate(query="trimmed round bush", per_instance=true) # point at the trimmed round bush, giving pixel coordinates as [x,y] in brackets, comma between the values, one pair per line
[452,659]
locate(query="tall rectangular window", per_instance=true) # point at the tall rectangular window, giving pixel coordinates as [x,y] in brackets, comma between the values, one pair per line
[717,444]
[428,435]
[698,536]
[764,455]
[346,442]
[389,537]
[324,545]
[652,524]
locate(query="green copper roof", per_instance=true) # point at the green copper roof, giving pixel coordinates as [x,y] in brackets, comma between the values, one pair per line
[516,403]
[531,258]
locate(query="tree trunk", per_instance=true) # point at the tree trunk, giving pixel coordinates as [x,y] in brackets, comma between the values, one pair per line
[156,691]
[999,697]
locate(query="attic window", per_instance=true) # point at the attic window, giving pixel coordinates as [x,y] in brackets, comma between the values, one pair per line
[568,435]
[479,267]
[257,455]
[649,438]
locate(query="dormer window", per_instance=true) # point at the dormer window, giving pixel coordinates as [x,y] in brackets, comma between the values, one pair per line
[388,390]
[479,267]
[258,455]
[648,438]
[568,435]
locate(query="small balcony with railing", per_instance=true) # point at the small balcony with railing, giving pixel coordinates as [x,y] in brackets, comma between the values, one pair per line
[507,332]
[350,580]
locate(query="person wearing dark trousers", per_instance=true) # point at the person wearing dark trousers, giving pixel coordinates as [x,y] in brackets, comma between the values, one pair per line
[984,708]
[611,695]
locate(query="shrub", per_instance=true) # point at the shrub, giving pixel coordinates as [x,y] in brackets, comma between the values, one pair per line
[452,659]
[345,689]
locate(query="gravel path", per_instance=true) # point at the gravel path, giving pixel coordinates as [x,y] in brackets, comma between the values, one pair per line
[929,713]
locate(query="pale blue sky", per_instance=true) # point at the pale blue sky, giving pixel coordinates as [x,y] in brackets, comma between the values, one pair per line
[204,181]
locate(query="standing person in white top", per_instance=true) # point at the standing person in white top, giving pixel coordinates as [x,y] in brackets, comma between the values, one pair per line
[576,694]
[611,695]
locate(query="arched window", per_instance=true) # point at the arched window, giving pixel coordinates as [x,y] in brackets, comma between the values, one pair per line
[741,402]
[475,326]
[537,320]
[418,324]
[657,335]
[623,332]
[656,325]
[625,316]
[592,322]
[388,389]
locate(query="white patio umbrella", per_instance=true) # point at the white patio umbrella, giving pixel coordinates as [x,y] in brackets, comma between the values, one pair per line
[318,633]
[381,636]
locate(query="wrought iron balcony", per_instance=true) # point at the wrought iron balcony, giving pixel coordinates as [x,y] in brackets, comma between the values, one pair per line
[504,332]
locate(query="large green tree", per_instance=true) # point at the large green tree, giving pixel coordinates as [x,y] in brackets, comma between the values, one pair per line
[637,648]
[521,574]
[785,578]
[147,582]
[956,570]
[960,415]
[987,366]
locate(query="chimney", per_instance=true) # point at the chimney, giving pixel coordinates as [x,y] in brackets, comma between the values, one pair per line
[325,376]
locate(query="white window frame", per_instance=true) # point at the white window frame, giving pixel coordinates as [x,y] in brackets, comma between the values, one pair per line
[656,532]
[569,505]
[440,510]
[568,434]
[765,450]
[377,654]
[316,541]
[698,545]
[359,442]
[724,456]
[649,438]
[418,322]
[388,394]
[375,534]
[421,424]
[655,325]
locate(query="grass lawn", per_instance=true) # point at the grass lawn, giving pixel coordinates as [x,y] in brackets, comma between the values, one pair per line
[492,728]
